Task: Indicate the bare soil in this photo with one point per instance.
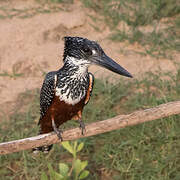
(33, 45)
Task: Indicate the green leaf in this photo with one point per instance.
(44, 176)
(58, 176)
(83, 165)
(77, 167)
(80, 146)
(75, 145)
(74, 149)
(67, 146)
(63, 169)
(84, 174)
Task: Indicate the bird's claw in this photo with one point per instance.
(57, 131)
(59, 134)
(82, 127)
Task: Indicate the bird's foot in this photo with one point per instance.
(57, 131)
(82, 127)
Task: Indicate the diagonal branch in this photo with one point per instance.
(99, 127)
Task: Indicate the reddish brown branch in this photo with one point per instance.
(100, 127)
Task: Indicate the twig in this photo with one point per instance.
(100, 127)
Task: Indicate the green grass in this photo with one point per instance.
(11, 75)
(145, 151)
(44, 7)
(134, 12)
(158, 41)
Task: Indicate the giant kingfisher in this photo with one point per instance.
(65, 92)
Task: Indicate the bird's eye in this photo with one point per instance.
(87, 51)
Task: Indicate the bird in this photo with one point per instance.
(65, 92)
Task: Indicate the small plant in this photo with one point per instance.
(11, 75)
(77, 170)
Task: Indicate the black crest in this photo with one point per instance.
(78, 47)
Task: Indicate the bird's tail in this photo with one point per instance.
(44, 149)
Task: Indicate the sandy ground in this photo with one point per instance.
(33, 46)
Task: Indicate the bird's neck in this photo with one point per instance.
(73, 68)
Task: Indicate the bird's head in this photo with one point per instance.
(83, 52)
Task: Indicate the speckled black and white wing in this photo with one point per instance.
(47, 93)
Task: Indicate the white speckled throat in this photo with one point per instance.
(73, 87)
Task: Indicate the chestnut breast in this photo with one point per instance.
(61, 112)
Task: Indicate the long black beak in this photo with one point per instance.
(108, 63)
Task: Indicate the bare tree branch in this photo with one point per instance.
(99, 127)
